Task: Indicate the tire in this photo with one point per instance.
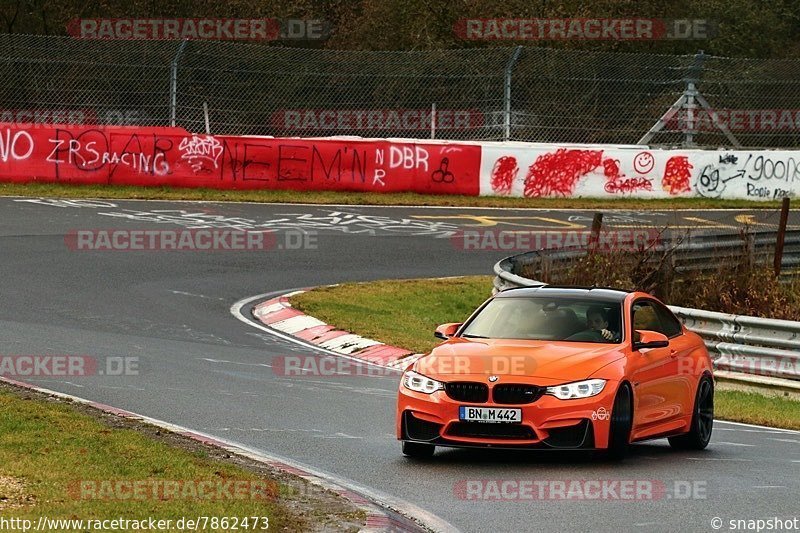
(699, 434)
(418, 450)
(621, 424)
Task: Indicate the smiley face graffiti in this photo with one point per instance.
(643, 162)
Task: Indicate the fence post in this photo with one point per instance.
(173, 84)
(507, 93)
(691, 80)
(207, 119)
(781, 237)
(689, 100)
(433, 120)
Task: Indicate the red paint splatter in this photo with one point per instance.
(677, 175)
(556, 174)
(628, 185)
(504, 172)
(611, 169)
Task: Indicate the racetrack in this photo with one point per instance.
(202, 368)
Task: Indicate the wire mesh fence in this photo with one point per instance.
(514, 93)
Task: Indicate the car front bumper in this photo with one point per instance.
(547, 423)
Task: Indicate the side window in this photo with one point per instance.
(645, 317)
(671, 326)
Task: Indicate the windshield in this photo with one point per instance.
(542, 318)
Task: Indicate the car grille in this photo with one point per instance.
(516, 394)
(466, 391)
(491, 431)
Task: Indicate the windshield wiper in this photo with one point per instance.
(470, 336)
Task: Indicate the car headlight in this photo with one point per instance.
(579, 389)
(420, 383)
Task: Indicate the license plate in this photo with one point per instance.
(489, 414)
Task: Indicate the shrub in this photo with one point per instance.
(742, 284)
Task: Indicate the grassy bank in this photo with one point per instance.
(405, 313)
(67, 461)
(359, 198)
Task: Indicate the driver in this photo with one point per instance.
(596, 326)
(597, 320)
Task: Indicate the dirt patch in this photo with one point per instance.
(13, 494)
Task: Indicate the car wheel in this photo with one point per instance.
(418, 450)
(621, 424)
(702, 419)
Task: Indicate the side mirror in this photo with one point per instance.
(644, 338)
(445, 331)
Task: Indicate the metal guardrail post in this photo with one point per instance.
(173, 84)
(507, 93)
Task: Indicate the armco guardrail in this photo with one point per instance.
(690, 252)
(747, 344)
(703, 251)
(739, 344)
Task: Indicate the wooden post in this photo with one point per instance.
(597, 224)
(781, 236)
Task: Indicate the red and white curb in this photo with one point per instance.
(278, 314)
(380, 518)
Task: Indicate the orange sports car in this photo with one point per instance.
(560, 368)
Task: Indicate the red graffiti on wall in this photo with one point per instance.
(556, 174)
(611, 169)
(172, 157)
(677, 175)
(504, 173)
(628, 185)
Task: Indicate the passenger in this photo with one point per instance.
(562, 322)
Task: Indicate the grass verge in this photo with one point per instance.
(755, 408)
(69, 461)
(404, 313)
(360, 198)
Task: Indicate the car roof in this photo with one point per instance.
(604, 294)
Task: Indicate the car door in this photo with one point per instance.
(654, 375)
(680, 346)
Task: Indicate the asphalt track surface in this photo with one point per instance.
(202, 368)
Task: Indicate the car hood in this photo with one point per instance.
(550, 362)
